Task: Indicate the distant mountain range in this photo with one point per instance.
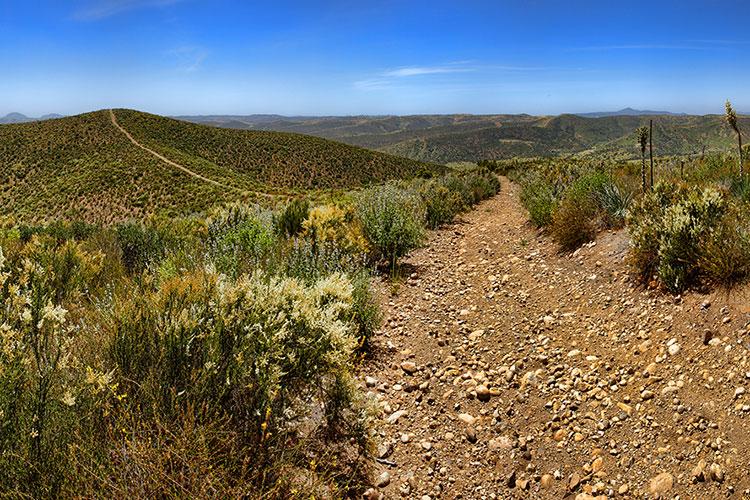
(629, 112)
(21, 118)
(448, 138)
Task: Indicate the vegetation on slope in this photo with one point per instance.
(280, 160)
(689, 229)
(198, 357)
(84, 168)
(447, 138)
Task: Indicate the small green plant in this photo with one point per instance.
(538, 196)
(289, 221)
(141, 245)
(392, 220)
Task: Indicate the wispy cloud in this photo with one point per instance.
(425, 70)
(189, 58)
(398, 77)
(100, 9)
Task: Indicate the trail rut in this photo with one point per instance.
(507, 370)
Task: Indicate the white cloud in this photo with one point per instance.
(425, 70)
(189, 58)
(100, 9)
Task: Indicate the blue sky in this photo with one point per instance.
(373, 57)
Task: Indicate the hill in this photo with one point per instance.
(628, 112)
(85, 167)
(21, 118)
(446, 138)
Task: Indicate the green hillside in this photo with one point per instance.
(84, 167)
(446, 138)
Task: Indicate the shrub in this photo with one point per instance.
(261, 352)
(667, 229)
(589, 203)
(725, 251)
(392, 220)
(289, 221)
(332, 225)
(441, 204)
(740, 187)
(40, 375)
(574, 221)
(141, 245)
(240, 239)
(538, 196)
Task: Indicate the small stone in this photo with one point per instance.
(661, 484)
(483, 394)
(699, 472)
(623, 489)
(471, 435)
(467, 419)
(383, 480)
(426, 445)
(626, 408)
(597, 464)
(371, 381)
(673, 349)
(547, 481)
(409, 367)
(523, 484)
(559, 435)
(511, 481)
(384, 450)
(395, 416)
(371, 494)
(575, 480)
(716, 472)
(739, 392)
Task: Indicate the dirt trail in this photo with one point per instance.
(507, 370)
(171, 163)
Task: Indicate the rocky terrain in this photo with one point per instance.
(507, 370)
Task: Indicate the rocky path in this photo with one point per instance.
(507, 370)
(177, 165)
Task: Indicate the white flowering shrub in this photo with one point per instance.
(668, 228)
(42, 382)
(263, 352)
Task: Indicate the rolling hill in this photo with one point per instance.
(446, 138)
(109, 166)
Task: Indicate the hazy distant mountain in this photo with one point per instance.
(14, 118)
(21, 118)
(629, 112)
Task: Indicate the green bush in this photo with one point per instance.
(591, 202)
(393, 221)
(141, 245)
(725, 251)
(667, 228)
(538, 197)
(240, 239)
(441, 204)
(289, 221)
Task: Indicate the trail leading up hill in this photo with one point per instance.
(506, 370)
(164, 159)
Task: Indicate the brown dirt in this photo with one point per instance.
(574, 356)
